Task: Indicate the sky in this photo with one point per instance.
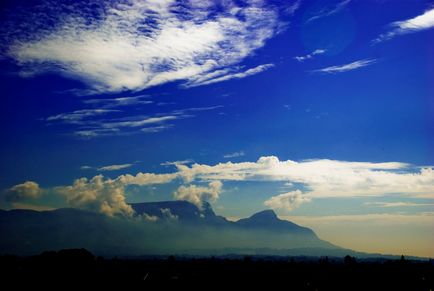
(320, 110)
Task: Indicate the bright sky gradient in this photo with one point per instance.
(320, 110)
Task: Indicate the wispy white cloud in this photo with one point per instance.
(310, 56)
(96, 132)
(140, 122)
(293, 7)
(234, 155)
(91, 125)
(79, 115)
(134, 124)
(329, 10)
(415, 24)
(155, 129)
(347, 67)
(116, 45)
(120, 101)
(222, 75)
(195, 109)
(398, 204)
(114, 167)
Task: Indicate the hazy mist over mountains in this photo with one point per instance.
(157, 228)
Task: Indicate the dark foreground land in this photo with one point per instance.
(297, 273)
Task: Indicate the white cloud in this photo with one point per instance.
(91, 126)
(114, 167)
(96, 132)
(97, 194)
(415, 24)
(293, 8)
(329, 10)
(149, 218)
(398, 204)
(174, 163)
(211, 80)
(346, 67)
(140, 122)
(77, 117)
(315, 178)
(323, 178)
(234, 155)
(168, 215)
(154, 129)
(138, 44)
(120, 101)
(106, 195)
(197, 195)
(26, 190)
(195, 109)
(287, 201)
(85, 167)
(142, 179)
(310, 56)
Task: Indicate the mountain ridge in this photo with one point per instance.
(177, 227)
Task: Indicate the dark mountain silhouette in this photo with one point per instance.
(268, 220)
(181, 228)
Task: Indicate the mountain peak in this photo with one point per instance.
(265, 215)
(207, 209)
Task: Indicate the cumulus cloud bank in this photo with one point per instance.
(197, 194)
(323, 178)
(106, 195)
(132, 45)
(314, 179)
(287, 201)
(97, 194)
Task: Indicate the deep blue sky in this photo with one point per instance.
(372, 102)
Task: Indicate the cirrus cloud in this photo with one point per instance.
(132, 45)
(418, 23)
(346, 67)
